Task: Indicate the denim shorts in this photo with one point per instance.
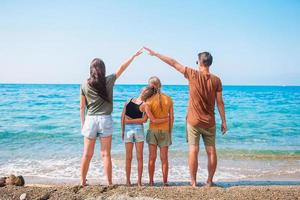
(97, 126)
(134, 133)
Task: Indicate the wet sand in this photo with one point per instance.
(60, 192)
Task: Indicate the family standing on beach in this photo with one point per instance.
(97, 99)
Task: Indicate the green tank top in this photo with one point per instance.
(95, 104)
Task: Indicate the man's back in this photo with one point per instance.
(203, 89)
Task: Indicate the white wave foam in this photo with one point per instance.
(69, 168)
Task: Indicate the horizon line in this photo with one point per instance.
(145, 84)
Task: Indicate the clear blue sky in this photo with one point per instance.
(255, 42)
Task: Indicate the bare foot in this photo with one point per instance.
(151, 183)
(128, 183)
(140, 184)
(194, 184)
(84, 183)
(210, 184)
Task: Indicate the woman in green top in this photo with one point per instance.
(97, 97)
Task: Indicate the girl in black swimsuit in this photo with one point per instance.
(135, 113)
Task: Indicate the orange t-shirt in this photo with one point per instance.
(157, 112)
(202, 96)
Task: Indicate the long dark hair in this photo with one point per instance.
(97, 78)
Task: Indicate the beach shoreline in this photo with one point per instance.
(39, 180)
(69, 191)
(229, 170)
(45, 146)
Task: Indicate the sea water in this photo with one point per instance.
(40, 134)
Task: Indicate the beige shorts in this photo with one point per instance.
(158, 137)
(208, 135)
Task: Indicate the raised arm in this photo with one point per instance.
(221, 109)
(124, 66)
(82, 109)
(170, 61)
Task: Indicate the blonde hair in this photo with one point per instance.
(147, 93)
(155, 82)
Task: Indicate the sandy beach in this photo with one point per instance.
(148, 193)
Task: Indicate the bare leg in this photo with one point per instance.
(88, 152)
(193, 163)
(151, 164)
(139, 156)
(129, 147)
(164, 163)
(211, 164)
(106, 157)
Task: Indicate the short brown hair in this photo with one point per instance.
(205, 58)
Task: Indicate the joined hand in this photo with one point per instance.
(139, 52)
(150, 52)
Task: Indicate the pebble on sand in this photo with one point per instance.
(23, 196)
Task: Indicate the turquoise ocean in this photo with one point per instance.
(40, 134)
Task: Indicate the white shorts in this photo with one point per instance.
(97, 126)
(134, 133)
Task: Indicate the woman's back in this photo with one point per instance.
(160, 105)
(95, 104)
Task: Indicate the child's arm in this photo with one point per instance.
(152, 118)
(123, 121)
(147, 114)
(136, 121)
(171, 120)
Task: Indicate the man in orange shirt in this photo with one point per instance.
(204, 90)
